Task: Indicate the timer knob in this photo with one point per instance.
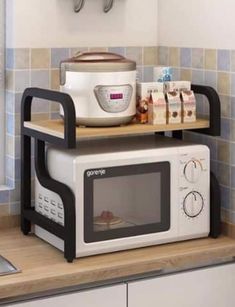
(193, 204)
(192, 171)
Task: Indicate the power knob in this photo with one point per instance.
(193, 204)
(192, 171)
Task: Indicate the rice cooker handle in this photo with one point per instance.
(96, 57)
(62, 73)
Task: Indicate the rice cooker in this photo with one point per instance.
(102, 86)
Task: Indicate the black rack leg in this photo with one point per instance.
(25, 182)
(215, 210)
(25, 226)
(67, 197)
(69, 251)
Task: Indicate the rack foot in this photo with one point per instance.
(25, 226)
(215, 198)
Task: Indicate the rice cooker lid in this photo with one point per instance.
(95, 62)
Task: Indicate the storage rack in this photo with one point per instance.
(64, 134)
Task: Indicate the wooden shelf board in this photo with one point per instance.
(56, 128)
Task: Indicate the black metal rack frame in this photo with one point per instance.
(68, 231)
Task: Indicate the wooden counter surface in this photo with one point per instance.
(44, 268)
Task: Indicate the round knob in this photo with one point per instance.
(192, 171)
(193, 204)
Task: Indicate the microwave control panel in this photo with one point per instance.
(114, 99)
(194, 188)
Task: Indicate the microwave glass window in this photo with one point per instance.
(127, 201)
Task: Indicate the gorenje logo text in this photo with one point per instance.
(96, 172)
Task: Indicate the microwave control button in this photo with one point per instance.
(60, 206)
(53, 212)
(53, 203)
(60, 215)
(193, 204)
(40, 205)
(192, 171)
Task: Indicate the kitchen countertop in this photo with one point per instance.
(44, 268)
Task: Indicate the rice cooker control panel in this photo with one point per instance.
(114, 99)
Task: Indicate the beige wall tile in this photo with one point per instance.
(17, 125)
(233, 130)
(198, 58)
(4, 210)
(9, 221)
(233, 200)
(224, 81)
(40, 58)
(225, 106)
(210, 59)
(54, 107)
(55, 79)
(135, 54)
(15, 194)
(10, 151)
(224, 174)
(22, 58)
(186, 74)
(225, 215)
(14, 209)
(150, 55)
(98, 49)
(174, 56)
(40, 116)
(10, 80)
(163, 56)
(223, 151)
(233, 60)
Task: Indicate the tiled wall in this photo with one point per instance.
(40, 68)
(215, 68)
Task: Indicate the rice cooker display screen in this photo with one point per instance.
(116, 96)
(114, 99)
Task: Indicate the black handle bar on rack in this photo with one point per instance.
(214, 109)
(69, 140)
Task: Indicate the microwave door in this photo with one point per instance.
(126, 201)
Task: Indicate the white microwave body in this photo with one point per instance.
(159, 192)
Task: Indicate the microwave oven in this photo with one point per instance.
(130, 192)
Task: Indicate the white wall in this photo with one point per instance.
(52, 23)
(197, 23)
(2, 125)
